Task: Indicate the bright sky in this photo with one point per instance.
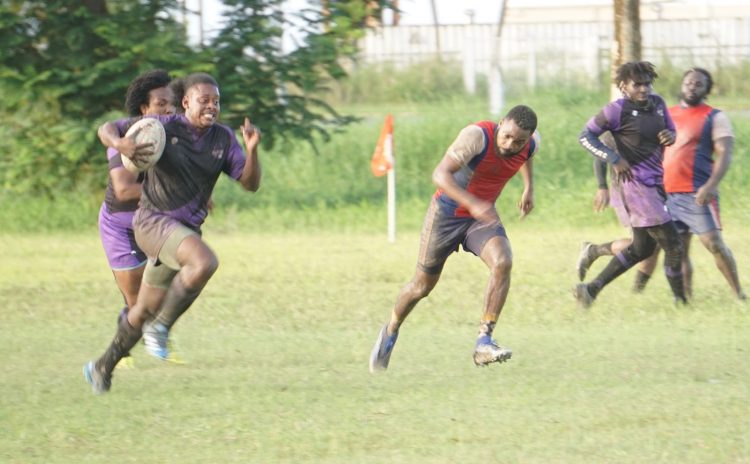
(449, 11)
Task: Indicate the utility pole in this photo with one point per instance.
(436, 25)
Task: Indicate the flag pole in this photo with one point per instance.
(383, 163)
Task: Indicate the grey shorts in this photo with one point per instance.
(442, 234)
(159, 236)
(693, 218)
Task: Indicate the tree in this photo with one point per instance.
(65, 65)
(627, 35)
(281, 89)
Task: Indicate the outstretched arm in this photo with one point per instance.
(251, 173)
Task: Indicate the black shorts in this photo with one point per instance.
(442, 234)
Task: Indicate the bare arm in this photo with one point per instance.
(109, 135)
(526, 204)
(125, 184)
(251, 174)
(722, 159)
(442, 177)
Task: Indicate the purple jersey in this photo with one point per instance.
(181, 183)
(634, 129)
(113, 205)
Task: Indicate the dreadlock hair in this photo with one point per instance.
(523, 116)
(632, 70)
(137, 93)
(705, 72)
(178, 92)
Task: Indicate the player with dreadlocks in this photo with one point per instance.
(641, 127)
(148, 93)
(693, 169)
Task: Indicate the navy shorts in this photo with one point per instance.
(693, 218)
(442, 234)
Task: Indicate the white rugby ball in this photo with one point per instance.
(146, 130)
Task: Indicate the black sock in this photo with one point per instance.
(677, 284)
(177, 300)
(602, 249)
(123, 314)
(616, 266)
(641, 279)
(125, 338)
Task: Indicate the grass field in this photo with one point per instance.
(278, 346)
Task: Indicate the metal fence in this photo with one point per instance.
(558, 50)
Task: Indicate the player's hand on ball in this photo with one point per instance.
(128, 146)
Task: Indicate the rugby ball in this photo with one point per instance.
(146, 130)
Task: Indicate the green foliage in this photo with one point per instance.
(281, 90)
(68, 67)
(65, 65)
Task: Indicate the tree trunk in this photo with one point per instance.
(627, 46)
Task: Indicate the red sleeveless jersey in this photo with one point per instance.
(485, 174)
(689, 161)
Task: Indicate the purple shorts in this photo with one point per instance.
(118, 239)
(693, 218)
(442, 234)
(639, 205)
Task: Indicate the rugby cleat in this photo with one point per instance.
(585, 259)
(157, 342)
(100, 382)
(582, 295)
(381, 352)
(487, 351)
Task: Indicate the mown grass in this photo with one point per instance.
(278, 343)
(278, 346)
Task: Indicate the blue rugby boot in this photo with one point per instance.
(381, 352)
(158, 344)
(100, 382)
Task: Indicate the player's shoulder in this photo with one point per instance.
(535, 142)
(473, 132)
(658, 99)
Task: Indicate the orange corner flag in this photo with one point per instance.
(382, 158)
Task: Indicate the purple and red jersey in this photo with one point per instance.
(486, 172)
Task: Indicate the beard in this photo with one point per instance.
(692, 100)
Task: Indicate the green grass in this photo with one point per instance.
(278, 346)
